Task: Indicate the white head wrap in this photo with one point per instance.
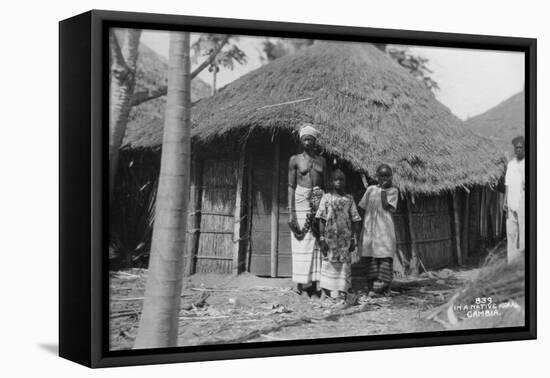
(307, 129)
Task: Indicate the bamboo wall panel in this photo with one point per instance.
(432, 226)
(215, 251)
(402, 229)
(475, 242)
(486, 220)
(194, 218)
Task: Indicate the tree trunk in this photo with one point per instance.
(159, 320)
(122, 83)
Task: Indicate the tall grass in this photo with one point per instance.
(132, 211)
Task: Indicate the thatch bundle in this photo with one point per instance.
(499, 286)
(500, 281)
(368, 108)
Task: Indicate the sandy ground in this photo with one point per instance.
(246, 308)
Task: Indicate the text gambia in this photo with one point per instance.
(484, 310)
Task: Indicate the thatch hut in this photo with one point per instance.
(369, 110)
(502, 123)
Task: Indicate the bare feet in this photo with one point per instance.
(385, 290)
(351, 299)
(299, 289)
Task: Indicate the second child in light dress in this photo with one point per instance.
(378, 240)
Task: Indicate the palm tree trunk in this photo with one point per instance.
(159, 320)
(123, 73)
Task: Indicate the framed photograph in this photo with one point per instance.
(235, 188)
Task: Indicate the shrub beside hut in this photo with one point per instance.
(369, 110)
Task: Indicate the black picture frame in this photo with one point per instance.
(83, 111)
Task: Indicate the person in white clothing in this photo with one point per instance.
(514, 200)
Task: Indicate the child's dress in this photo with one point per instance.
(339, 212)
(378, 237)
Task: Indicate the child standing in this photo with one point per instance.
(339, 224)
(379, 244)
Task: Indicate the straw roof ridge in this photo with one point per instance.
(146, 121)
(369, 111)
(502, 122)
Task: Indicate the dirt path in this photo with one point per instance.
(246, 308)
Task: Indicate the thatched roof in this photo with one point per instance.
(368, 108)
(152, 71)
(503, 122)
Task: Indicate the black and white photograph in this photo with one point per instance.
(275, 189)
(268, 189)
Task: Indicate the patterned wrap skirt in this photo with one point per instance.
(379, 268)
(335, 276)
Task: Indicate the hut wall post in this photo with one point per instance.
(483, 216)
(238, 221)
(248, 256)
(466, 226)
(275, 209)
(194, 216)
(457, 227)
(414, 251)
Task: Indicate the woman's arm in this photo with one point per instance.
(356, 228)
(355, 223)
(322, 224)
(507, 180)
(356, 232)
(291, 189)
(322, 243)
(505, 205)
